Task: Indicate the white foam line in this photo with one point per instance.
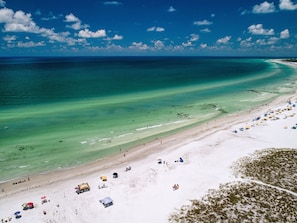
(141, 129)
(24, 166)
(160, 125)
(176, 122)
(149, 127)
(121, 136)
(104, 139)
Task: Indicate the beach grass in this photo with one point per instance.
(276, 167)
(267, 192)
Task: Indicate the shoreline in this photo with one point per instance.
(208, 151)
(41, 145)
(136, 153)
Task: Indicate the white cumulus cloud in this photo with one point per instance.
(139, 46)
(224, 40)
(151, 29)
(76, 22)
(30, 44)
(20, 21)
(264, 7)
(160, 29)
(115, 37)
(86, 33)
(203, 45)
(246, 43)
(203, 23)
(270, 41)
(17, 21)
(259, 30)
(2, 3)
(112, 3)
(187, 44)
(159, 45)
(194, 37)
(206, 30)
(157, 29)
(71, 18)
(285, 34)
(171, 9)
(9, 39)
(287, 5)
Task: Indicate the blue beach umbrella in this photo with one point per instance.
(17, 213)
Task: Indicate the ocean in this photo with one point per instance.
(61, 112)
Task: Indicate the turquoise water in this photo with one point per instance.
(62, 112)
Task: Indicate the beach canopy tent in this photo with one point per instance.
(115, 175)
(257, 118)
(43, 199)
(103, 178)
(28, 205)
(107, 201)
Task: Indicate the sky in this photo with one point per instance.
(148, 28)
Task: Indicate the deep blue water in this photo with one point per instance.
(27, 81)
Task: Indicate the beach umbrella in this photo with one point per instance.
(43, 199)
(103, 178)
(17, 214)
(30, 205)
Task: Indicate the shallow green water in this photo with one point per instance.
(62, 112)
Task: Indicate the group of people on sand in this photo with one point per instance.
(286, 111)
(6, 220)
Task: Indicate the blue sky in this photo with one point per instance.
(151, 27)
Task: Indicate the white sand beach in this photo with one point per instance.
(145, 193)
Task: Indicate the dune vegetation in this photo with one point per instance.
(265, 192)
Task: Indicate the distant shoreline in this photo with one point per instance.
(289, 62)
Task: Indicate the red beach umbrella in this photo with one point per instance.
(30, 205)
